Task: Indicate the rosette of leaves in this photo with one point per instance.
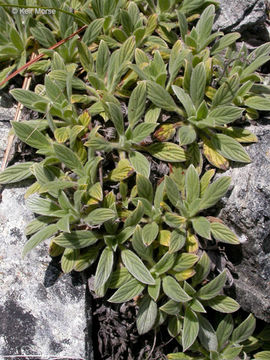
(198, 195)
(226, 342)
(130, 137)
(210, 100)
(20, 38)
(67, 197)
(163, 259)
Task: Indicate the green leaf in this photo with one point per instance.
(227, 91)
(99, 216)
(85, 56)
(177, 58)
(197, 84)
(184, 261)
(116, 117)
(86, 259)
(179, 356)
(205, 181)
(125, 234)
(258, 62)
(187, 135)
(159, 194)
(119, 277)
(63, 224)
(149, 233)
(164, 5)
(127, 291)
(205, 23)
(93, 31)
(31, 136)
(136, 267)
(160, 97)
(53, 91)
(29, 99)
(231, 352)
(16, 39)
(183, 24)
(262, 355)
(230, 148)
(210, 152)
(37, 224)
(96, 192)
(177, 241)
(138, 245)
(147, 315)
(43, 35)
(144, 188)
(77, 239)
(164, 264)
(224, 115)
(258, 103)
(185, 100)
(223, 233)
(42, 206)
(174, 220)
(224, 42)
(215, 192)
(15, 173)
(40, 236)
(122, 171)
(240, 134)
(142, 131)
(136, 105)
(202, 269)
(207, 334)
(213, 288)
(167, 152)
(126, 52)
(171, 307)
(196, 306)
(140, 163)
(202, 227)
(152, 114)
(68, 260)
(104, 267)
(69, 158)
(224, 330)
(244, 330)
(190, 329)
(102, 60)
(192, 184)
(136, 215)
(173, 290)
(224, 304)
(154, 290)
(172, 191)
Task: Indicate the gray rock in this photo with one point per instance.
(247, 212)
(6, 115)
(240, 15)
(39, 315)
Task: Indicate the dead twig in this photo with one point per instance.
(26, 85)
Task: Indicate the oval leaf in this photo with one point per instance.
(136, 267)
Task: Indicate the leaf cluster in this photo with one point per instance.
(147, 83)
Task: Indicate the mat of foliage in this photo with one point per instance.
(139, 104)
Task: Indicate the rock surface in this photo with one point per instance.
(240, 15)
(7, 113)
(39, 315)
(247, 211)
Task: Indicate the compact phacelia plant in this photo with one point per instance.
(147, 83)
